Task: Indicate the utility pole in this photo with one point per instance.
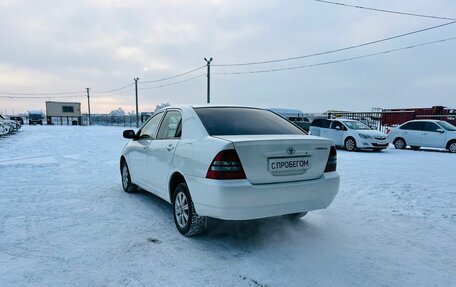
(136, 92)
(208, 79)
(88, 102)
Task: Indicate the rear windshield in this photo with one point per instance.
(244, 121)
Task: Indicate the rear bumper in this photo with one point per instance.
(240, 200)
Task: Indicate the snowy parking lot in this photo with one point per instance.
(65, 221)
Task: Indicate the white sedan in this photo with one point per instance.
(350, 134)
(233, 163)
(427, 133)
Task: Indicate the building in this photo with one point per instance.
(63, 113)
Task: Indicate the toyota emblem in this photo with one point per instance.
(291, 150)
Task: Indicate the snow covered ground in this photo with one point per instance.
(65, 221)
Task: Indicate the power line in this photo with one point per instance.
(336, 50)
(386, 11)
(115, 93)
(173, 83)
(40, 94)
(41, 97)
(337, 61)
(114, 90)
(172, 77)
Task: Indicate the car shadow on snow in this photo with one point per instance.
(257, 229)
(279, 230)
(428, 150)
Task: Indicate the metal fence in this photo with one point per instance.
(109, 120)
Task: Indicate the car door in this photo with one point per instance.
(433, 135)
(336, 133)
(161, 151)
(137, 156)
(412, 133)
(315, 127)
(325, 130)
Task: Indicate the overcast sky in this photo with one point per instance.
(59, 46)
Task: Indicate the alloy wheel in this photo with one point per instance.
(125, 176)
(350, 145)
(181, 209)
(452, 147)
(399, 144)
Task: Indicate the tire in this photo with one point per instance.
(414, 147)
(127, 184)
(295, 216)
(400, 143)
(187, 221)
(452, 147)
(350, 144)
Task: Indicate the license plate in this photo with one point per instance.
(289, 164)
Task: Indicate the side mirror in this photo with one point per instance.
(129, 134)
(440, 131)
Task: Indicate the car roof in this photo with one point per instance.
(424, 120)
(184, 107)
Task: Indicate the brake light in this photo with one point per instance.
(226, 165)
(332, 160)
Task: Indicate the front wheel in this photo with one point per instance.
(350, 144)
(452, 147)
(187, 221)
(127, 184)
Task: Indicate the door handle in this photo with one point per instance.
(144, 147)
(170, 147)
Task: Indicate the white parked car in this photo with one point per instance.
(424, 133)
(13, 125)
(4, 128)
(233, 163)
(350, 134)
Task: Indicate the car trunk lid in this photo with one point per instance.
(281, 158)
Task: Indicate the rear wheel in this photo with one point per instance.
(452, 147)
(187, 221)
(400, 143)
(295, 216)
(127, 185)
(414, 147)
(350, 144)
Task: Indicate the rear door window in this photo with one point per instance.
(244, 121)
(316, 123)
(413, 126)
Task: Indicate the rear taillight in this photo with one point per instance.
(226, 165)
(332, 160)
